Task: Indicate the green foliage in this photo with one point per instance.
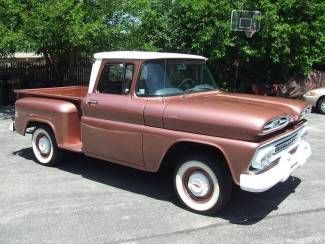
(290, 42)
(62, 27)
(10, 31)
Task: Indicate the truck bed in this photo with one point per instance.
(70, 93)
(42, 101)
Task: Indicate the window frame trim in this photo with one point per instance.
(115, 62)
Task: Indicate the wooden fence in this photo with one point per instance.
(21, 74)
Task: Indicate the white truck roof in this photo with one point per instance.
(144, 55)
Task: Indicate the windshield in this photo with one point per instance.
(169, 77)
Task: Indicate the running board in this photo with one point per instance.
(77, 147)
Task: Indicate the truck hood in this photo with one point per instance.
(228, 115)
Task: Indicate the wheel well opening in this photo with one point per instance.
(178, 150)
(32, 125)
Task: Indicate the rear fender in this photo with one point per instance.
(61, 116)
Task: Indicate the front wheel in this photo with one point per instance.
(321, 105)
(202, 184)
(44, 146)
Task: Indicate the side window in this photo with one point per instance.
(152, 78)
(141, 86)
(116, 79)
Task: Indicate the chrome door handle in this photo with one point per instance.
(91, 102)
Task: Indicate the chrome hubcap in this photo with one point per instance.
(44, 145)
(198, 184)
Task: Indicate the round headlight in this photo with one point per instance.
(263, 158)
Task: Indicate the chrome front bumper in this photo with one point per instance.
(278, 173)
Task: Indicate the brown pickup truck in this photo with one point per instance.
(150, 110)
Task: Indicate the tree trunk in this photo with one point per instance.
(72, 64)
(50, 61)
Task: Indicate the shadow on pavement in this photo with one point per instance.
(244, 208)
(7, 112)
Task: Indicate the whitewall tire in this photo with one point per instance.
(202, 184)
(44, 146)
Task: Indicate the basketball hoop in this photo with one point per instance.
(246, 21)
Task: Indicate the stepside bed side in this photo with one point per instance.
(61, 116)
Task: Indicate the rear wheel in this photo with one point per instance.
(202, 184)
(44, 146)
(321, 105)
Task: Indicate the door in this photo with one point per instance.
(112, 121)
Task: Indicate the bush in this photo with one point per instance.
(290, 42)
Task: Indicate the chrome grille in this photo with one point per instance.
(286, 142)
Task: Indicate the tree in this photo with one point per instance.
(12, 37)
(290, 42)
(63, 29)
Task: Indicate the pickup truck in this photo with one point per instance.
(150, 110)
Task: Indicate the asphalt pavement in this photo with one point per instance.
(84, 200)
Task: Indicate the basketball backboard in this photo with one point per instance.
(247, 21)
